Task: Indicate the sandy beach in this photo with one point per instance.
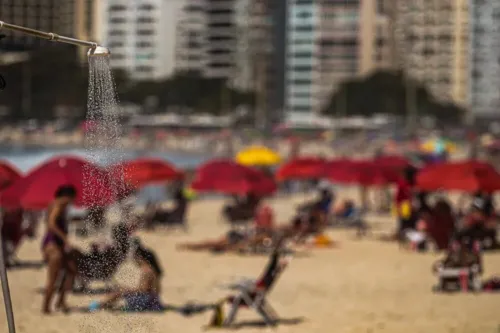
(361, 286)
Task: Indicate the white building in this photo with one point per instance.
(485, 57)
(301, 77)
(208, 37)
(141, 36)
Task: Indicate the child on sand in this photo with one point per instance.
(146, 297)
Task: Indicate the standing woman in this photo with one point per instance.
(56, 246)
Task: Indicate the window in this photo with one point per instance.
(302, 82)
(145, 20)
(115, 44)
(147, 7)
(118, 20)
(117, 8)
(143, 32)
(117, 33)
(304, 28)
(143, 44)
(144, 69)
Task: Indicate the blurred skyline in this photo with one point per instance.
(293, 54)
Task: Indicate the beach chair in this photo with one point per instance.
(461, 270)
(355, 219)
(252, 294)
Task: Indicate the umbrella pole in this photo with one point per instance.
(5, 285)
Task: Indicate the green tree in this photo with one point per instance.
(385, 92)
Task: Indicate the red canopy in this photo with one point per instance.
(467, 176)
(392, 161)
(228, 177)
(365, 173)
(36, 190)
(146, 171)
(8, 174)
(302, 168)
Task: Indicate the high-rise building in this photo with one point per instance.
(328, 43)
(208, 37)
(485, 57)
(56, 16)
(141, 35)
(433, 42)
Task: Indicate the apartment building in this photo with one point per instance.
(348, 45)
(141, 35)
(208, 37)
(47, 15)
(433, 41)
(484, 68)
(329, 42)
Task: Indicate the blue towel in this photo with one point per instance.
(142, 302)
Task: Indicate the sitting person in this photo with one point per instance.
(312, 217)
(442, 225)
(345, 209)
(146, 297)
(477, 226)
(241, 210)
(170, 217)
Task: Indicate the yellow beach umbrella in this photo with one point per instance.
(258, 156)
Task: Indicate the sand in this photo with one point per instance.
(362, 286)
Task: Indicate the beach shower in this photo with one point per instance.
(95, 50)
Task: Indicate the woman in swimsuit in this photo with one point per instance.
(146, 296)
(56, 246)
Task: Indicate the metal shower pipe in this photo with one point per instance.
(94, 48)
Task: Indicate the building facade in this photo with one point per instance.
(329, 42)
(141, 36)
(484, 90)
(208, 37)
(433, 39)
(56, 16)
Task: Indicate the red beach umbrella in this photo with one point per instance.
(36, 190)
(8, 174)
(467, 176)
(147, 171)
(302, 168)
(365, 173)
(228, 177)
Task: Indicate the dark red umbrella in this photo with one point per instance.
(392, 161)
(365, 173)
(146, 171)
(94, 186)
(228, 177)
(302, 168)
(467, 176)
(8, 174)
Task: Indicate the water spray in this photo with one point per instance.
(95, 50)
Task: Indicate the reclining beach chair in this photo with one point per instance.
(355, 219)
(461, 270)
(253, 294)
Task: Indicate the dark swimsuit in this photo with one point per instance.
(51, 237)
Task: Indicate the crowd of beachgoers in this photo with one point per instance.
(366, 235)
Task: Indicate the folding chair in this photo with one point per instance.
(252, 294)
(464, 278)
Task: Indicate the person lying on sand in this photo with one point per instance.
(146, 297)
(241, 241)
(233, 241)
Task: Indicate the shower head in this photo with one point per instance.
(98, 51)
